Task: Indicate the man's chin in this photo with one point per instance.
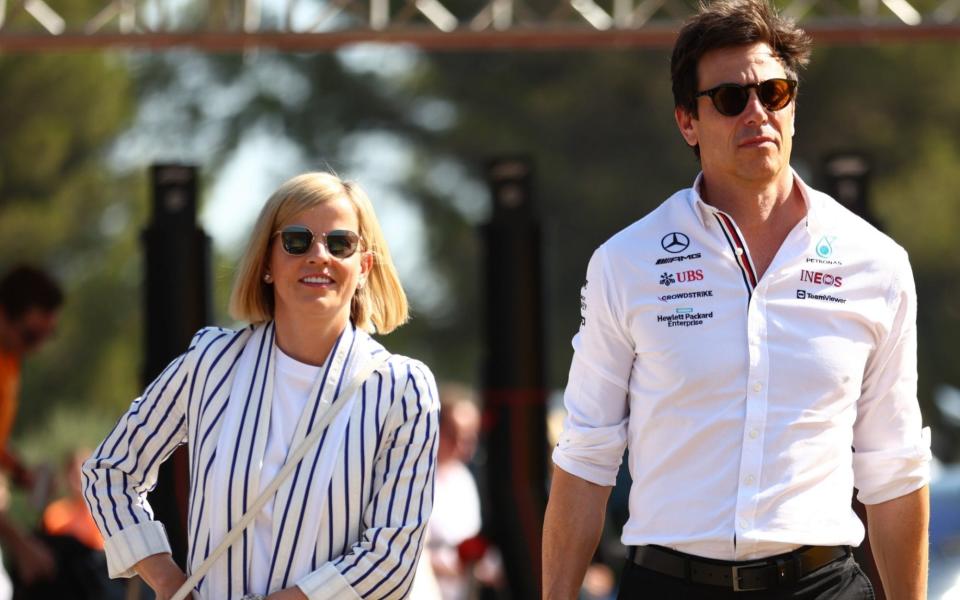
(762, 169)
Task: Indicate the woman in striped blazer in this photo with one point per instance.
(349, 521)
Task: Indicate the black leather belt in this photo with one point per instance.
(763, 574)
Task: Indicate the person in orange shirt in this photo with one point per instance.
(68, 530)
(30, 302)
(69, 516)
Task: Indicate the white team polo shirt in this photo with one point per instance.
(751, 406)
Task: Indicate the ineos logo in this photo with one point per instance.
(675, 242)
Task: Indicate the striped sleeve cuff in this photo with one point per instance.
(326, 583)
(132, 544)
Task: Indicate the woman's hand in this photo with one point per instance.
(292, 593)
(162, 575)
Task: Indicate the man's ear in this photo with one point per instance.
(686, 124)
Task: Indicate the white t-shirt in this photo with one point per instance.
(293, 382)
(455, 519)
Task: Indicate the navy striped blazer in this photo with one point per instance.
(377, 504)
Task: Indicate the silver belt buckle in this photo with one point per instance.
(735, 575)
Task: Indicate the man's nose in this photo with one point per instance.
(755, 111)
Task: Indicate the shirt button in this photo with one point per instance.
(754, 434)
(743, 523)
(748, 480)
(757, 386)
(739, 251)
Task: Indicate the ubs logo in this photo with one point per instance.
(675, 242)
(669, 279)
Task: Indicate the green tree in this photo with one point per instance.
(61, 207)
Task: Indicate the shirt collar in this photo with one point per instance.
(704, 211)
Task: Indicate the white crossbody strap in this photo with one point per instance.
(234, 534)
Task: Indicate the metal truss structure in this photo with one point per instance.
(309, 25)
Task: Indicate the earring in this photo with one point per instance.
(267, 278)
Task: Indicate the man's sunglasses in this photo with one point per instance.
(731, 98)
(297, 240)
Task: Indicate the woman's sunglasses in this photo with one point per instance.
(297, 240)
(731, 98)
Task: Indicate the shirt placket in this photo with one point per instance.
(756, 393)
(754, 424)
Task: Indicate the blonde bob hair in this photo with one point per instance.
(379, 306)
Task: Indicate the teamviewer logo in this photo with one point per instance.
(801, 294)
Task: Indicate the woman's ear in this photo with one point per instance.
(366, 265)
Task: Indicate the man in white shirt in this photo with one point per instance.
(753, 343)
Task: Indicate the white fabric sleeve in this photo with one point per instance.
(383, 562)
(891, 447)
(123, 469)
(132, 544)
(326, 583)
(595, 430)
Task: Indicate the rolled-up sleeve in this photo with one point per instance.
(891, 447)
(383, 562)
(595, 430)
(123, 469)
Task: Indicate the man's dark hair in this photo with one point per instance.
(25, 287)
(728, 23)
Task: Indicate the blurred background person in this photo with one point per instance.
(30, 302)
(457, 557)
(69, 516)
(67, 529)
(456, 513)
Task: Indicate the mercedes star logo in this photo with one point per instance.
(675, 242)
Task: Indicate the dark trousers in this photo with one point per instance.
(840, 580)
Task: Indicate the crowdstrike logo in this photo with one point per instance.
(685, 295)
(675, 242)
